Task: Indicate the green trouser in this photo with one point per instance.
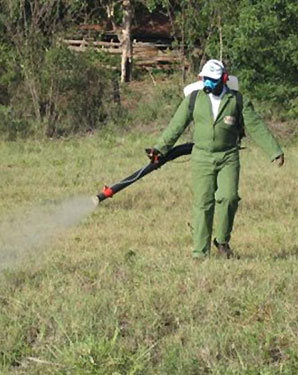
(215, 183)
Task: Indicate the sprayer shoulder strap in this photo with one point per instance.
(239, 101)
(192, 102)
(194, 94)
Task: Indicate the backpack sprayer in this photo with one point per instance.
(174, 153)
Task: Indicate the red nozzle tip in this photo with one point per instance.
(107, 192)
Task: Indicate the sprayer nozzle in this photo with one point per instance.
(95, 200)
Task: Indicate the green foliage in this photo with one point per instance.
(74, 94)
(257, 40)
(10, 125)
(8, 72)
(47, 90)
(146, 105)
(260, 47)
(77, 92)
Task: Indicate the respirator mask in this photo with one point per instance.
(211, 85)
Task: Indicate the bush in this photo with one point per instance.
(76, 92)
(10, 126)
(68, 93)
(152, 104)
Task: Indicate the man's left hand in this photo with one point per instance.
(280, 160)
(153, 155)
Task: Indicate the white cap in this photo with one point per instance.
(212, 69)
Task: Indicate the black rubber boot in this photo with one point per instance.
(224, 249)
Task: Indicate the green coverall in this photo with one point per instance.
(215, 159)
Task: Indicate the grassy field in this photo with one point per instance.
(114, 290)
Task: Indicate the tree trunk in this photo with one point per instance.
(182, 49)
(126, 42)
(220, 38)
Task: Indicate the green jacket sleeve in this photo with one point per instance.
(175, 128)
(259, 131)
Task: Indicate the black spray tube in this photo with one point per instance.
(174, 153)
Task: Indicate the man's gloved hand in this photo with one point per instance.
(280, 160)
(153, 154)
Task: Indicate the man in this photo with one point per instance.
(219, 114)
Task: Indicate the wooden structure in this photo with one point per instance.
(145, 54)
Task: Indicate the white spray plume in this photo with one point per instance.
(20, 236)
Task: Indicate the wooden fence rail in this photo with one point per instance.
(145, 54)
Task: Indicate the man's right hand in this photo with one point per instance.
(153, 155)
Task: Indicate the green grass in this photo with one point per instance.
(119, 294)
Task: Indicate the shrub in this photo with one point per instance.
(71, 93)
(76, 92)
